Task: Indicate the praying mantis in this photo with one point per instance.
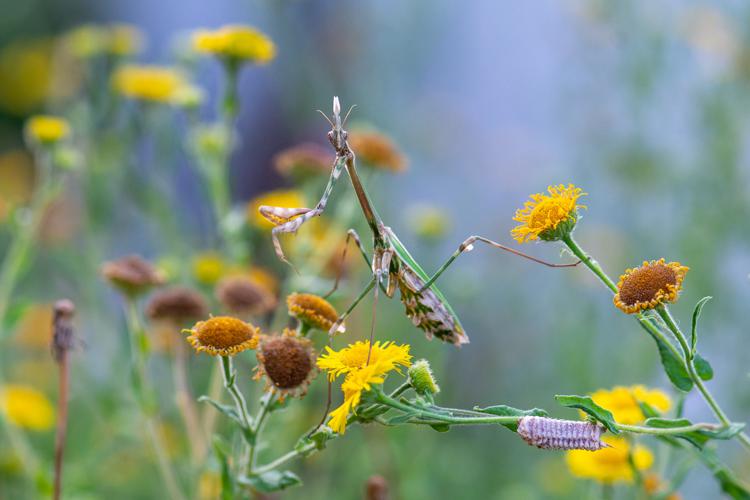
(391, 263)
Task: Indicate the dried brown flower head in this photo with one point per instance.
(312, 310)
(377, 150)
(177, 304)
(132, 275)
(376, 488)
(62, 328)
(649, 285)
(243, 295)
(223, 336)
(288, 363)
(303, 161)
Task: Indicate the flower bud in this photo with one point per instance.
(421, 378)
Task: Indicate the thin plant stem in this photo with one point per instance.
(62, 421)
(231, 387)
(265, 403)
(707, 396)
(142, 391)
(185, 403)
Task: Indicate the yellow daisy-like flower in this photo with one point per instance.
(314, 311)
(548, 217)
(354, 385)
(208, 267)
(124, 40)
(354, 357)
(236, 43)
(609, 465)
(26, 407)
(223, 336)
(623, 402)
(28, 73)
(649, 286)
(286, 198)
(47, 129)
(148, 83)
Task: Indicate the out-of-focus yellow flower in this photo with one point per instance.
(208, 267)
(148, 83)
(649, 286)
(286, 198)
(16, 177)
(27, 72)
(623, 402)
(609, 465)
(428, 221)
(188, 96)
(26, 407)
(125, 40)
(548, 217)
(236, 43)
(90, 40)
(47, 129)
(34, 327)
(209, 486)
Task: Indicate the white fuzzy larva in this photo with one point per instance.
(553, 434)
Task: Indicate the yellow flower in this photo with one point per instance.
(26, 407)
(609, 465)
(223, 336)
(548, 217)
(148, 83)
(27, 71)
(354, 357)
(208, 267)
(312, 310)
(623, 402)
(360, 375)
(649, 286)
(286, 198)
(47, 129)
(237, 43)
(124, 40)
(86, 41)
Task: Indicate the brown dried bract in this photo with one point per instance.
(288, 362)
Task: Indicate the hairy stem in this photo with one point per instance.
(231, 387)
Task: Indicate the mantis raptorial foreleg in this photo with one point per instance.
(468, 245)
(289, 220)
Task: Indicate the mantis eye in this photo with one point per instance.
(330, 135)
(344, 134)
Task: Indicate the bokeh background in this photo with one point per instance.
(643, 104)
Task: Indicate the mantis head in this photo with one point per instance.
(337, 136)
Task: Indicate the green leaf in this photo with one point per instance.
(509, 411)
(400, 419)
(729, 483)
(697, 438)
(696, 315)
(13, 315)
(585, 403)
(441, 427)
(227, 410)
(673, 365)
(271, 481)
(703, 367)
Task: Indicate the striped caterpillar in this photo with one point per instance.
(554, 434)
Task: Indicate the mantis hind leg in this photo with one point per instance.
(468, 245)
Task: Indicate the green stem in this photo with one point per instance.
(284, 459)
(697, 380)
(231, 387)
(589, 262)
(136, 336)
(258, 421)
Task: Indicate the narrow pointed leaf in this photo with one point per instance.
(509, 411)
(596, 412)
(271, 481)
(696, 315)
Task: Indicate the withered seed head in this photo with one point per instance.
(132, 275)
(244, 296)
(312, 310)
(223, 336)
(304, 160)
(287, 361)
(62, 328)
(177, 304)
(649, 285)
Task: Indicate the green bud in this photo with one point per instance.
(421, 378)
